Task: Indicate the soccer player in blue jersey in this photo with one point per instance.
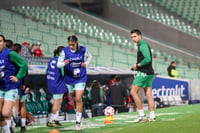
(9, 77)
(75, 59)
(56, 86)
(23, 89)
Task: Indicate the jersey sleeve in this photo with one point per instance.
(61, 60)
(20, 62)
(88, 57)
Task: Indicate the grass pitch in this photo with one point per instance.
(179, 119)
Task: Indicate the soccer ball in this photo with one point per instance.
(54, 131)
(109, 111)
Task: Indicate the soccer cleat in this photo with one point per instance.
(151, 119)
(49, 124)
(56, 122)
(79, 126)
(140, 119)
(23, 129)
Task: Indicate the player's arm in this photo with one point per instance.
(20, 62)
(61, 60)
(147, 56)
(88, 58)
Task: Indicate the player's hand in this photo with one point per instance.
(23, 87)
(27, 91)
(13, 79)
(83, 64)
(66, 61)
(134, 67)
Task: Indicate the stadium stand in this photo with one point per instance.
(187, 9)
(148, 10)
(42, 27)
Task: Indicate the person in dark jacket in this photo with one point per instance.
(172, 72)
(96, 97)
(118, 94)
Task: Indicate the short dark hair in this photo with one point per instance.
(17, 47)
(138, 32)
(72, 38)
(9, 43)
(117, 79)
(172, 62)
(57, 51)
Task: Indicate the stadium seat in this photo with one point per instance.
(152, 12)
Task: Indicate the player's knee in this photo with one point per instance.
(133, 92)
(79, 100)
(6, 114)
(149, 95)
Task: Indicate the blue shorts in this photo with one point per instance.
(57, 96)
(78, 86)
(9, 94)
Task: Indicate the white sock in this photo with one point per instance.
(6, 129)
(8, 123)
(141, 112)
(152, 114)
(78, 116)
(23, 122)
(51, 117)
(56, 115)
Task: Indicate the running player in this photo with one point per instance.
(9, 76)
(56, 86)
(75, 59)
(144, 77)
(23, 89)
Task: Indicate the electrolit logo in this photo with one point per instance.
(163, 91)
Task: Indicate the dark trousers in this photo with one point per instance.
(97, 110)
(119, 108)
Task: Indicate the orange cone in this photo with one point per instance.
(108, 122)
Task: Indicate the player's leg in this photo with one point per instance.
(148, 93)
(7, 113)
(139, 82)
(134, 92)
(53, 117)
(79, 89)
(16, 107)
(8, 104)
(79, 108)
(2, 120)
(23, 113)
